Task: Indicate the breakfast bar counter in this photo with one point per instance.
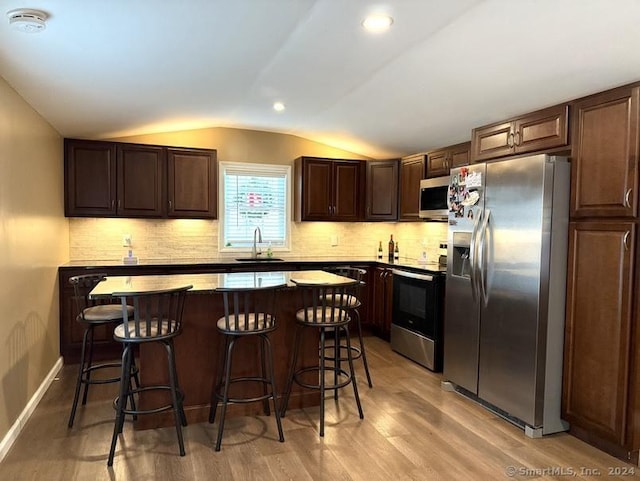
(197, 347)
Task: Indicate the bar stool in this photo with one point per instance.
(352, 304)
(92, 314)
(321, 313)
(247, 312)
(157, 318)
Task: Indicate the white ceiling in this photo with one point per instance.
(110, 68)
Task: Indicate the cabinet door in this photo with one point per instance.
(542, 130)
(605, 155)
(141, 181)
(411, 173)
(382, 190)
(90, 178)
(596, 359)
(378, 300)
(313, 189)
(347, 191)
(438, 163)
(192, 183)
(492, 141)
(460, 155)
(388, 305)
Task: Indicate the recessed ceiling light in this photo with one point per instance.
(27, 20)
(377, 23)
(278, 106)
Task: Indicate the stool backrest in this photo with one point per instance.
(321, 302)
(248, 310)
(156, 314)
(82, 286)
(354, 273)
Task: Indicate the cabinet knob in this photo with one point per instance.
(517, 138)
(510, 139)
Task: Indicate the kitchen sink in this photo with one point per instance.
(260, 259)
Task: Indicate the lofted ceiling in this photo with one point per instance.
(112, 68)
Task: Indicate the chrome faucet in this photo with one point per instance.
(257, 234)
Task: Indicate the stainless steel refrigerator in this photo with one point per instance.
(505, 288)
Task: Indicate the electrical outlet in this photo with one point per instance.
(126, 240)
(334, 240)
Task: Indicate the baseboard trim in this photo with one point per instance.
(26, 413)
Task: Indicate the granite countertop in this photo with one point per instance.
(227, 262)
(123, 285)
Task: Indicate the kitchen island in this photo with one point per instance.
(197, 347)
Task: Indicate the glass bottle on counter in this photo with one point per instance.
(391, 246)
(396, 252)
(380, 251)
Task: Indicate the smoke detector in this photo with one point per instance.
(27, 20)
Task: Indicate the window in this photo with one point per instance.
(254, 195)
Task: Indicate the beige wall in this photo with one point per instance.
(101, 239)
(33, 242)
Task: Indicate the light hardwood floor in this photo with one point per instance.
(413, 430)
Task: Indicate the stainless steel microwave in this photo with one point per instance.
(433, 198)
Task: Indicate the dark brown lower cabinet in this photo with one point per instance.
(599, 386)
(382, 301)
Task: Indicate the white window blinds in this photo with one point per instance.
(254, 195)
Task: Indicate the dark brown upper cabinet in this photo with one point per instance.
(412, 171)
(192, 183)
(115, 179)
(140, 172)
(90, 178)
(328, 189)
(439, 162)
(382, 190)
(604, 180)
(541, 130)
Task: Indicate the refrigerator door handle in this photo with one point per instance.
(482, 259)
(473, 258)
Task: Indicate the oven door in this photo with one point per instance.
(414, 302)
(416, 326)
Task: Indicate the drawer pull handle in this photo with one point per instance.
(625, 239)
(627, 198)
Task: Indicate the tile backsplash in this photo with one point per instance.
(101, 239)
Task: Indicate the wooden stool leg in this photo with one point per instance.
(124, 386)
(80, 376)
(363, 352)
(225, 395)
(272, 377)
(217, 383)
(322, 366)
(263, 373)
(336, 360)
(292, 370)
(353, 373)
(89, 364)
(178, 411)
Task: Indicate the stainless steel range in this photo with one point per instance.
(416, 327)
